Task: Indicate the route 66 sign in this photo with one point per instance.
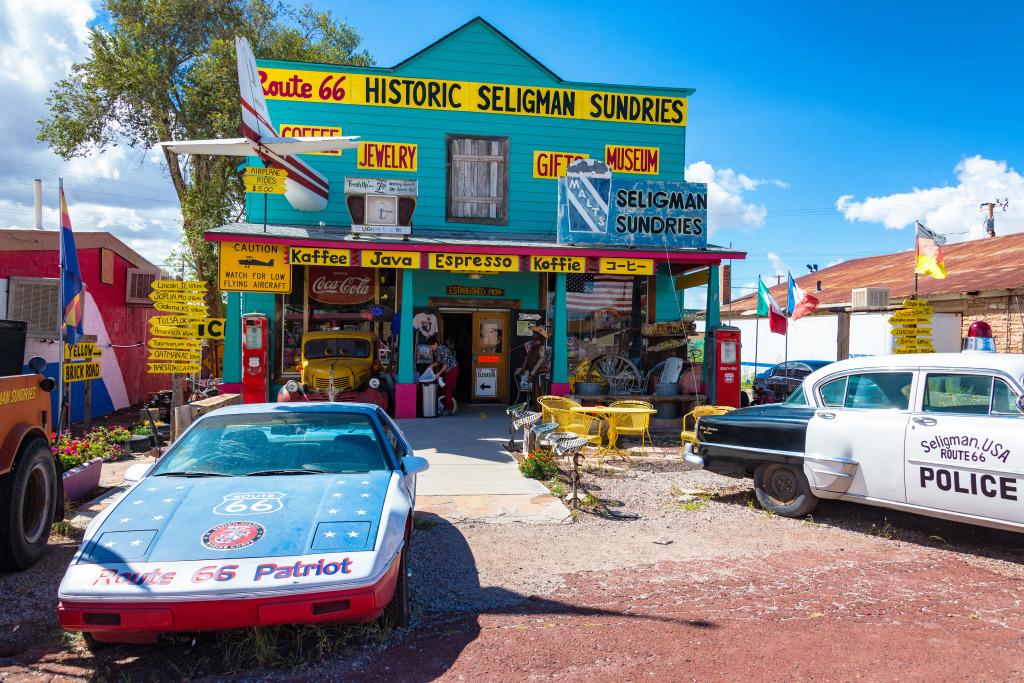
(250, 503)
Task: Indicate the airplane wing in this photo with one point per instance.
(283, 146)
(236, 147)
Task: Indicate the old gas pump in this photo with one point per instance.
(255, 358)
(722, 350)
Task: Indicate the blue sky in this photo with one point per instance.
(826, 129)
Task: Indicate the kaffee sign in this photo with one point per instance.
(335, 285)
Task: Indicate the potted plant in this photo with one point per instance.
(81, 467)
(141, 439)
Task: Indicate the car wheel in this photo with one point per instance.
(94, 645)
(397, 613)
(783, 489)
(27, 496)
(744, 399)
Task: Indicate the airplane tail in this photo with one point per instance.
(271, 262)
(256, 123)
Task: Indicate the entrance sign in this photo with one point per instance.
(254, 268)
(77, 372)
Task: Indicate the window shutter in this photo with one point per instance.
(106, 267)
(478, 179)
(139, 284)
(36, 300)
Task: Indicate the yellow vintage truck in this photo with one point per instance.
(341, 365)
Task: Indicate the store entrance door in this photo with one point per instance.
(490, 356)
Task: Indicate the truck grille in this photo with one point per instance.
(340, 383)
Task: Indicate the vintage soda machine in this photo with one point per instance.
(255, 358)
(722, 366)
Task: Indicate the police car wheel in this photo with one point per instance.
(27, 495)
(783, 489)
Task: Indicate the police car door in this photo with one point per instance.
(863, 418)
(965, 451)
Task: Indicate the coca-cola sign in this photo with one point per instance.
(333, 285)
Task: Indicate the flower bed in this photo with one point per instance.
(104, 444)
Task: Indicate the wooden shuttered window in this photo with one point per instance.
(36, 300)
(139, 285)
(477, 179)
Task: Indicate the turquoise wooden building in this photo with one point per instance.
(448, 218)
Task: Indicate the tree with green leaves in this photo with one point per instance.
(163, 70)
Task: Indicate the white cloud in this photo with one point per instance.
(953, 211)
(779, 266)
(726, 188)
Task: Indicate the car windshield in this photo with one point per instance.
(336, 347)
(276, 443)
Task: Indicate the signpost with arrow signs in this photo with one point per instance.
(912, 327)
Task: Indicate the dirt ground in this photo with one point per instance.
(699, 585)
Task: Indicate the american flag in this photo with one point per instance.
(587, 293)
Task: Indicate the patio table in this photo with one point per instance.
(611, 414)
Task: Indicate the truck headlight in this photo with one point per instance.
(374, 383)
(291, 386)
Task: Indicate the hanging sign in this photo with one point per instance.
(254, 268)
(161, 343)
(341, 285)
(81, 350)
(77, 372)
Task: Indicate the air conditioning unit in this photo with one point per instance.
(139, 284)
(871, 297)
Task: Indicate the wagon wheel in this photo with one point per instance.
(622, 376)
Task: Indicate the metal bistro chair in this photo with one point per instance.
(690, 435)
(579, 424)
(572, 448)
(552, 403)
(519, 418)
(637, 424)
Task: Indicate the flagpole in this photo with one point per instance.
(757, 329)
(60, 315)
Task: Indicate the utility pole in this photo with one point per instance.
(990, 222)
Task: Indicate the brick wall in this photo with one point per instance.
(1003, 315)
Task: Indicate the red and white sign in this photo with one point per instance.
(334, 285)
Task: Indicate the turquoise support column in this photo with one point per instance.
(560, 359)
(405, 390)
(232, 344)
(713, 318)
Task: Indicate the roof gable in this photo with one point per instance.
(476, 51)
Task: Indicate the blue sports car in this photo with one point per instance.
(258, 514)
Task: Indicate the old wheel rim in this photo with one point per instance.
(36, 508)
(781, 485)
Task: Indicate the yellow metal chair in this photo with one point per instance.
(690, 435)
(551, 403)
(577, 423)
(634, 424)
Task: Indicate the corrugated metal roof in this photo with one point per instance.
(984, 264)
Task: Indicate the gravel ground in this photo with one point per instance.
(673, 549)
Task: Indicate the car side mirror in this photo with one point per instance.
(137, 472)
(414, 464)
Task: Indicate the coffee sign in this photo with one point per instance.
(341, 285)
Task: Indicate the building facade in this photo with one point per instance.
(455, 215)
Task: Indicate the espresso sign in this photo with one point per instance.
(341, 285)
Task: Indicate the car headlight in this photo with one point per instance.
(374, 383)
(291, 386)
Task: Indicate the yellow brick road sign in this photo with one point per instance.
(82, 350)
(77, 372)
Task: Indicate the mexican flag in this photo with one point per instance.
(766, 306)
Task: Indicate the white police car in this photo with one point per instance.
(939, 434)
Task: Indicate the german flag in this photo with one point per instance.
(929, 252)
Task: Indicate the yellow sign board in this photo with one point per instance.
(295, 130)
(77, 372)
(317, 256)
(913, 349)
(266, 172)
(179, 308)
(254, 268)
(668, 109)
(627, 266)
(188, 297)
(628, 159)
(176, 319)
(179, 285)
(698, 279)
(914, 303)
(558, 264)
(177, 355)
(498, 263)
(551, 165)
(174, 332)
(387, 156)
(919, 320)
(389, 259)
(265, 189)
(186, 368)
(211, 328)
(914, 341)
(82, 350)
(911, 331)
(160, 343)
(264, 180)
(916, 312)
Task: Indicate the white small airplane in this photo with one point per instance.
(305, 188)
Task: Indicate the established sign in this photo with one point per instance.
(460, 290)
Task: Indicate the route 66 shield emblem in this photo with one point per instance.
(250, 503)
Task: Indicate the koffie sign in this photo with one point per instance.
(632, 212)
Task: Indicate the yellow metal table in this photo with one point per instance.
(611, 414)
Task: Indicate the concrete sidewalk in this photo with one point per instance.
(471, 475)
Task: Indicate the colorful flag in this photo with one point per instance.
(929, 252)
(586, 293)
(766, 306)
(71, 291)
(800, 302)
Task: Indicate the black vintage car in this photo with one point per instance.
(784, 378)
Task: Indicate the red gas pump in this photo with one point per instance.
(722, 349)
(255, 359)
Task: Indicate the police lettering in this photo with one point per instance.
(299, 569)
(971, 483)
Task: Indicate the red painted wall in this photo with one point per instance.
(127, 326)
